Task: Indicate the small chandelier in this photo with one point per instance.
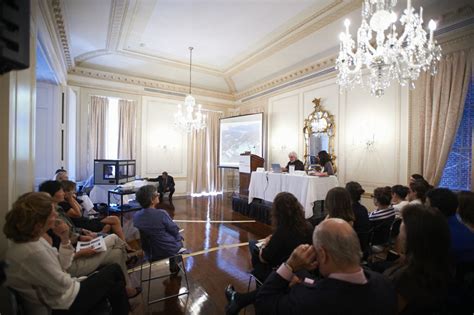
(187, 121)
(402, 57)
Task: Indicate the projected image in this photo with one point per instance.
(238, 135)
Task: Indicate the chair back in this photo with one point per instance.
(145, 242)
(395, 229)
(381, 231)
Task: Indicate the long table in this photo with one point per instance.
(307, 189)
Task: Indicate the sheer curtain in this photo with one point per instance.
(440, 99)
(98, 110)
(126, 129)
(203, 157)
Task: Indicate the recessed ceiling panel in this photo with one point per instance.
(221, 31)
(155, 71)
(88, 23)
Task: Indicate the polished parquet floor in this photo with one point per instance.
(216, 238)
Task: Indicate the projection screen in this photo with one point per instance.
(240, 134)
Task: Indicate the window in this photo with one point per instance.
(457, 173)
(111, 144)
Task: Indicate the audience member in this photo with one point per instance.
(60, 175)
(399, 194)
(36, 269)
(338, 205)
(417, 191)
(415, 177)
(161, 234)
(325, 161)
(70, 201)
(466, 208)
(299, 166)
(422, 275)
(382, 197)
(345, 288)
(462, 239)
(361, 222)
(290, 230)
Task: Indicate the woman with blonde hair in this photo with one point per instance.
(36, 269)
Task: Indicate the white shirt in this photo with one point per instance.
(36, 270)
(399, 206)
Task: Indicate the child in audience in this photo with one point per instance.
(422, 274)
(382, 197)
(35, 269)
(290, 230)
(399, 194)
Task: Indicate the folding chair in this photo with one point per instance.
(380, 235)
(178, 260)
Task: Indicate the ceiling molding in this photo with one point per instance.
(62, 30)
(49, 41)
(116, 20)
(288, 77)
(230, 84)
(91, 54)
(160, 85)
(321, 18)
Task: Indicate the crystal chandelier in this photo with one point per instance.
(187, 121)
(394, 56)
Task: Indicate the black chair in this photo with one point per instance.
(379, 237)
(176, 264)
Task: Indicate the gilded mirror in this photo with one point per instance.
(319, 131)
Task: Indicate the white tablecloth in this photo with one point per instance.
(307, 189)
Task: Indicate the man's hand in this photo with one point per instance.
(61, 229)
(84, 238)
(303, 257)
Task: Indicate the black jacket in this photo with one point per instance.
(327, 296)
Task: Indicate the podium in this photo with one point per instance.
(248, 163)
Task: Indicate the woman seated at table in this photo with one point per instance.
(325, 161)
(290, 230)
(35, 269)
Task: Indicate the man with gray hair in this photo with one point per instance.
(299, 166)
(345, 288)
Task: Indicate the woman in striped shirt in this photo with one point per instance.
(382, 198)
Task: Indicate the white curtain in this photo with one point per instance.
(98, 110)
(441, 101)
(203, 159)
(127, 130)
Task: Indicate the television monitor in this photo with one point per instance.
(114, 172)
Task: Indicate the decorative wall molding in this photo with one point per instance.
(116, 21)
(170, 87)
(62, 31)
(290, 78)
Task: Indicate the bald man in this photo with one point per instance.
(346, 288)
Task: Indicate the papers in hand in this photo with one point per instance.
(98, 244)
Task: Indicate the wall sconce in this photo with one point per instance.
(370, 143)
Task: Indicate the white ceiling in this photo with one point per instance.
(237, 43)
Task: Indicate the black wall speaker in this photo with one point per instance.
(14, 35)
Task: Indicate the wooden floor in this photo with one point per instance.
(219, 255)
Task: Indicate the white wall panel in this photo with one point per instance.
(283, 129)
(164, 148)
